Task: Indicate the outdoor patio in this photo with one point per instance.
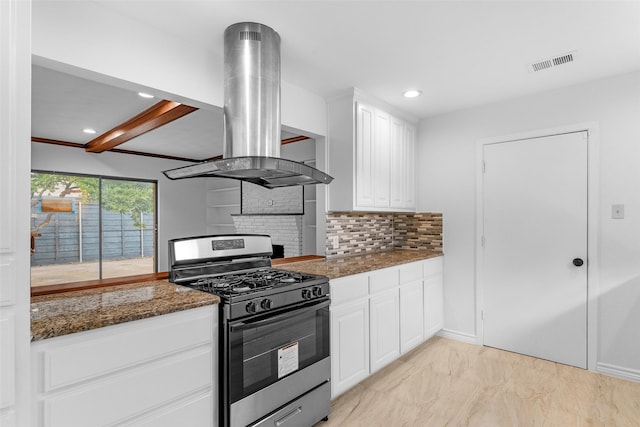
(74, 272)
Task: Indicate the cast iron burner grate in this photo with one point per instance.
(239, 284)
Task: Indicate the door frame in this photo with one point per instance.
(593, 160)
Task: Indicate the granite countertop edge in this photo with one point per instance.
(66, 313)
(335, 268)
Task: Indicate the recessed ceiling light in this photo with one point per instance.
(87, 130)
(412, 93)
(145, 95)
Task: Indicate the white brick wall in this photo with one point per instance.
(284, 230)
(259, 200)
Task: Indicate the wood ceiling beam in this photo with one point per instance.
(114, 150)
(152, 118)
(294, 139)
(57, 142)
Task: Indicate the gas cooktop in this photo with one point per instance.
(229, 285)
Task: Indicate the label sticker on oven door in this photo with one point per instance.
(287, 359)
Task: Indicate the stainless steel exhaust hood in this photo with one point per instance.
(252, 115)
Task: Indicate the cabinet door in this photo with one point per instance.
(409, 144)
(398, 166)
(349, 345)
(381, 153)
(385, 328)
(411, 315)
(433, 297)
(365, 165)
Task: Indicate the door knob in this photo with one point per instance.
(578, 262)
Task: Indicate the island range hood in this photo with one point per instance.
(252, 115)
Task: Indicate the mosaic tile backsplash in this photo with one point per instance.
(350, 233)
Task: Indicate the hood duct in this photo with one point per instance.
(252, 115)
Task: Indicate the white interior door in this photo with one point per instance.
(535, 229)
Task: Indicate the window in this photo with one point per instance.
(91, 227)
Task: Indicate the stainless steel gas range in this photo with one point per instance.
(274, 338)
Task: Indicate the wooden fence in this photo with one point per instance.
(75, 236)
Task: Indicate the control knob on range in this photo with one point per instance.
(307, 294)
(317, 291)
(251, 307)
(266, 304)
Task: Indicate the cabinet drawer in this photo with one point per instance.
(410, 272)
(123, 396)
(433, 266)
(70, 359)
(380, 280)
(349, 288)
(196, 411)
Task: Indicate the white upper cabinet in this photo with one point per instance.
(381, 152)
(365, 160)
(371, 156)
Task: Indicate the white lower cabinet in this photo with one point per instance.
(384, 318)
(379, 315)
(433, 297)
(411, 315)
(160, 371)
(349, 345)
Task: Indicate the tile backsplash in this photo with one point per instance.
(350, 233)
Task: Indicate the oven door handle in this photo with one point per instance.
(239, 326)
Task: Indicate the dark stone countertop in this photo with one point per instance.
(69, 312)
(335, 268)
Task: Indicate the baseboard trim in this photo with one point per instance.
(618, 372)
(458, 336)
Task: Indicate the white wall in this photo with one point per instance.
(95, 42)
(181, 203)
(446, 154)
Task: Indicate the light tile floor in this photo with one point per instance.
(449, 383)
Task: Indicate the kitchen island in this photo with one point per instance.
(148, 348)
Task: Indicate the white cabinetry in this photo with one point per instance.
(402, 167)
(379, 315)
(384, 317)
(371, 156)
(7, 362)
(349, 332)
(365, 159)
(411, 306)
(433, 297)
(147, 372)
(381, 151)
(15, 152)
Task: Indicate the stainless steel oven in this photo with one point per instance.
(274, 338)
(274, 358)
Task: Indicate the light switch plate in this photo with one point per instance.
(617, 211)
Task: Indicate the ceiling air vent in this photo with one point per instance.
(553, 62)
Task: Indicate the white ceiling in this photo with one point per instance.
(460, 54)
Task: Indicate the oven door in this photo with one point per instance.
(267, 348)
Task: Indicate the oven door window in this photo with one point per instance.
(267, 348)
